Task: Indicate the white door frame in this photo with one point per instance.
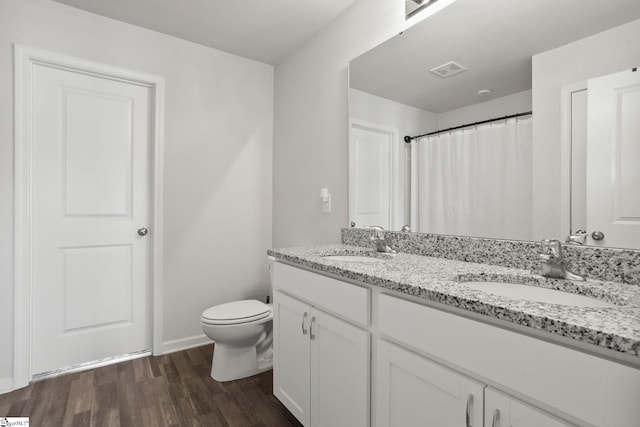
(565, 153)
(24, 60)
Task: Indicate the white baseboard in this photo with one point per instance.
(6, 385)
(185, 343)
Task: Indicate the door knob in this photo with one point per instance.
(142, 231)
(597, 235)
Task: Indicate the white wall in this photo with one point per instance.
(408, 120)
(311, 123)
(414, 121)
(218, 158)
(604, 53)
(499, 107)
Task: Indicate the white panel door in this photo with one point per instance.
(291, 379)
(613, 159)
(502, 410)
(90, 162)
(370, 159)
(339, 372)
(413, 391)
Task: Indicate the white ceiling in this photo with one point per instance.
(267, 31)
(494, 39)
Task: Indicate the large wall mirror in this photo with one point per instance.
(569, 159)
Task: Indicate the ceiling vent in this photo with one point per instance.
(413, 7)
(447, 70)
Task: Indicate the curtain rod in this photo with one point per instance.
(408, 138)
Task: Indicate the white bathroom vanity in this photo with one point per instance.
(404, 342)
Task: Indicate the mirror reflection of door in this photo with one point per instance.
(613, 159)
(370, 175)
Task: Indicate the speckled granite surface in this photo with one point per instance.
(442, 280)
(617, 265)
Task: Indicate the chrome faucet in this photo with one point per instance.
(553, 264)
(381, 242)
(577, 238)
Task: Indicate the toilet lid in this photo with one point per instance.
(236, 312)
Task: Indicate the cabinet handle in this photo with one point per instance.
(468, 414)
(313, 337)
(304, 317)
(496, 418)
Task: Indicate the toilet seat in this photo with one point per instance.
(236, 312)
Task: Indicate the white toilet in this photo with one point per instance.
(242, 331)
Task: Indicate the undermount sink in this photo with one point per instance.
(353, 258)
(535, 293)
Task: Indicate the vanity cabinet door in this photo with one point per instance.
(291, 381)
(502, 410)
(339, 372)
(414, 391)
(320, 365)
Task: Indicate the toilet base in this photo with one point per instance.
(235, 363)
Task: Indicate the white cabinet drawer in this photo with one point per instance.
(345, 299)
(592, 389)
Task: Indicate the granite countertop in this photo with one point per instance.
(442, 280)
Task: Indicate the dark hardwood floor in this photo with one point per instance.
(169, 390)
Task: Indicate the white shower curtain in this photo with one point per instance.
(474, 182)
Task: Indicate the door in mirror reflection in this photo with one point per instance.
(370, 174)
(613, 159)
